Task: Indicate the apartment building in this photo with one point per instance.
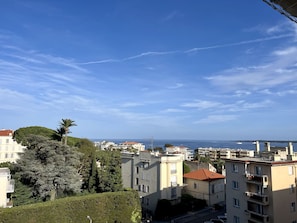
(6, 188)
(224, 153)
(185, 151)
(262, 189)
(9, 148)
(155, 177)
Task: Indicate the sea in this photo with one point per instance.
(195, 144)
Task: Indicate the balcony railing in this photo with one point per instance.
(257, 217)
(257, 179)
(257, 198)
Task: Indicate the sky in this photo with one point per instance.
(135, 69)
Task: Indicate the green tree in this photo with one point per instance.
(109, 171)
(21, 134)
(60, 132)
(50, 168)
(66, 124)
(88, 169)
(186, 168)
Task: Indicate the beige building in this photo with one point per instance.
(206, 185)
(9, 148)
(6, 188)
(154, 177)
(262, 189)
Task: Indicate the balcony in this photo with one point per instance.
(257, 179)
(256, 217)
(257, 198)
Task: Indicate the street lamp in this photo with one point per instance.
(88, 217)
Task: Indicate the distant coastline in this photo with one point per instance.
(191, 144)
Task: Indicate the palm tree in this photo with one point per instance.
(60, 132)
(66, 124)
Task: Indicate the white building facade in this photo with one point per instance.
(6, 188)
(154, 177)
(9, 148)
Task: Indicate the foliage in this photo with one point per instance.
(168, 145)
(158, 149)
(49, 167)
(88, 169)
(105, 207)
(64, 128)
(109, 171)
(21, 134)
(186, 168)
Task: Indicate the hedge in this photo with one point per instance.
(111, 207)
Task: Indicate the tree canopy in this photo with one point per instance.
(64, 129)
(49, 167)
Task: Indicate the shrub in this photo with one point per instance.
(120, 207)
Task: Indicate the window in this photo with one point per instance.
(137, 170)
(7, 141)
(258, 170)
(292, 188)
(147, 189)
(195, 186)
(234, 168)
(137, 181)
(235, 185)
(6, 155)
(236, 219)
(212, 188)
(173, 168)
(139, 187)
(173, 181)
(293, 207)
(236, 202)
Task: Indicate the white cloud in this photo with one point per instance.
(216, 119)
(201, 104)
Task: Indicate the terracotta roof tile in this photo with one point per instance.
(5, 132)
(203, 174)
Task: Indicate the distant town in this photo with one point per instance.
(249, 185)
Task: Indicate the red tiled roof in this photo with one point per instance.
(129, 143)
(5, 132)
(203, 174)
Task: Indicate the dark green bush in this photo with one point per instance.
(120, 207)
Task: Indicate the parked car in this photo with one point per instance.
(214, 221)
(222, 217)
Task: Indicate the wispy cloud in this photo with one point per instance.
(176, 86)
(211, 119)
(240, 43)
(201, 104)
(172, 15)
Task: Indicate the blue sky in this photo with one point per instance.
(165, 69)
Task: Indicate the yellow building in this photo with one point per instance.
(155, 177)
(206, 185)
(262, 189)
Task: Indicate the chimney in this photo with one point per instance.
(257, 147)
(267, 146)
(290, 146)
